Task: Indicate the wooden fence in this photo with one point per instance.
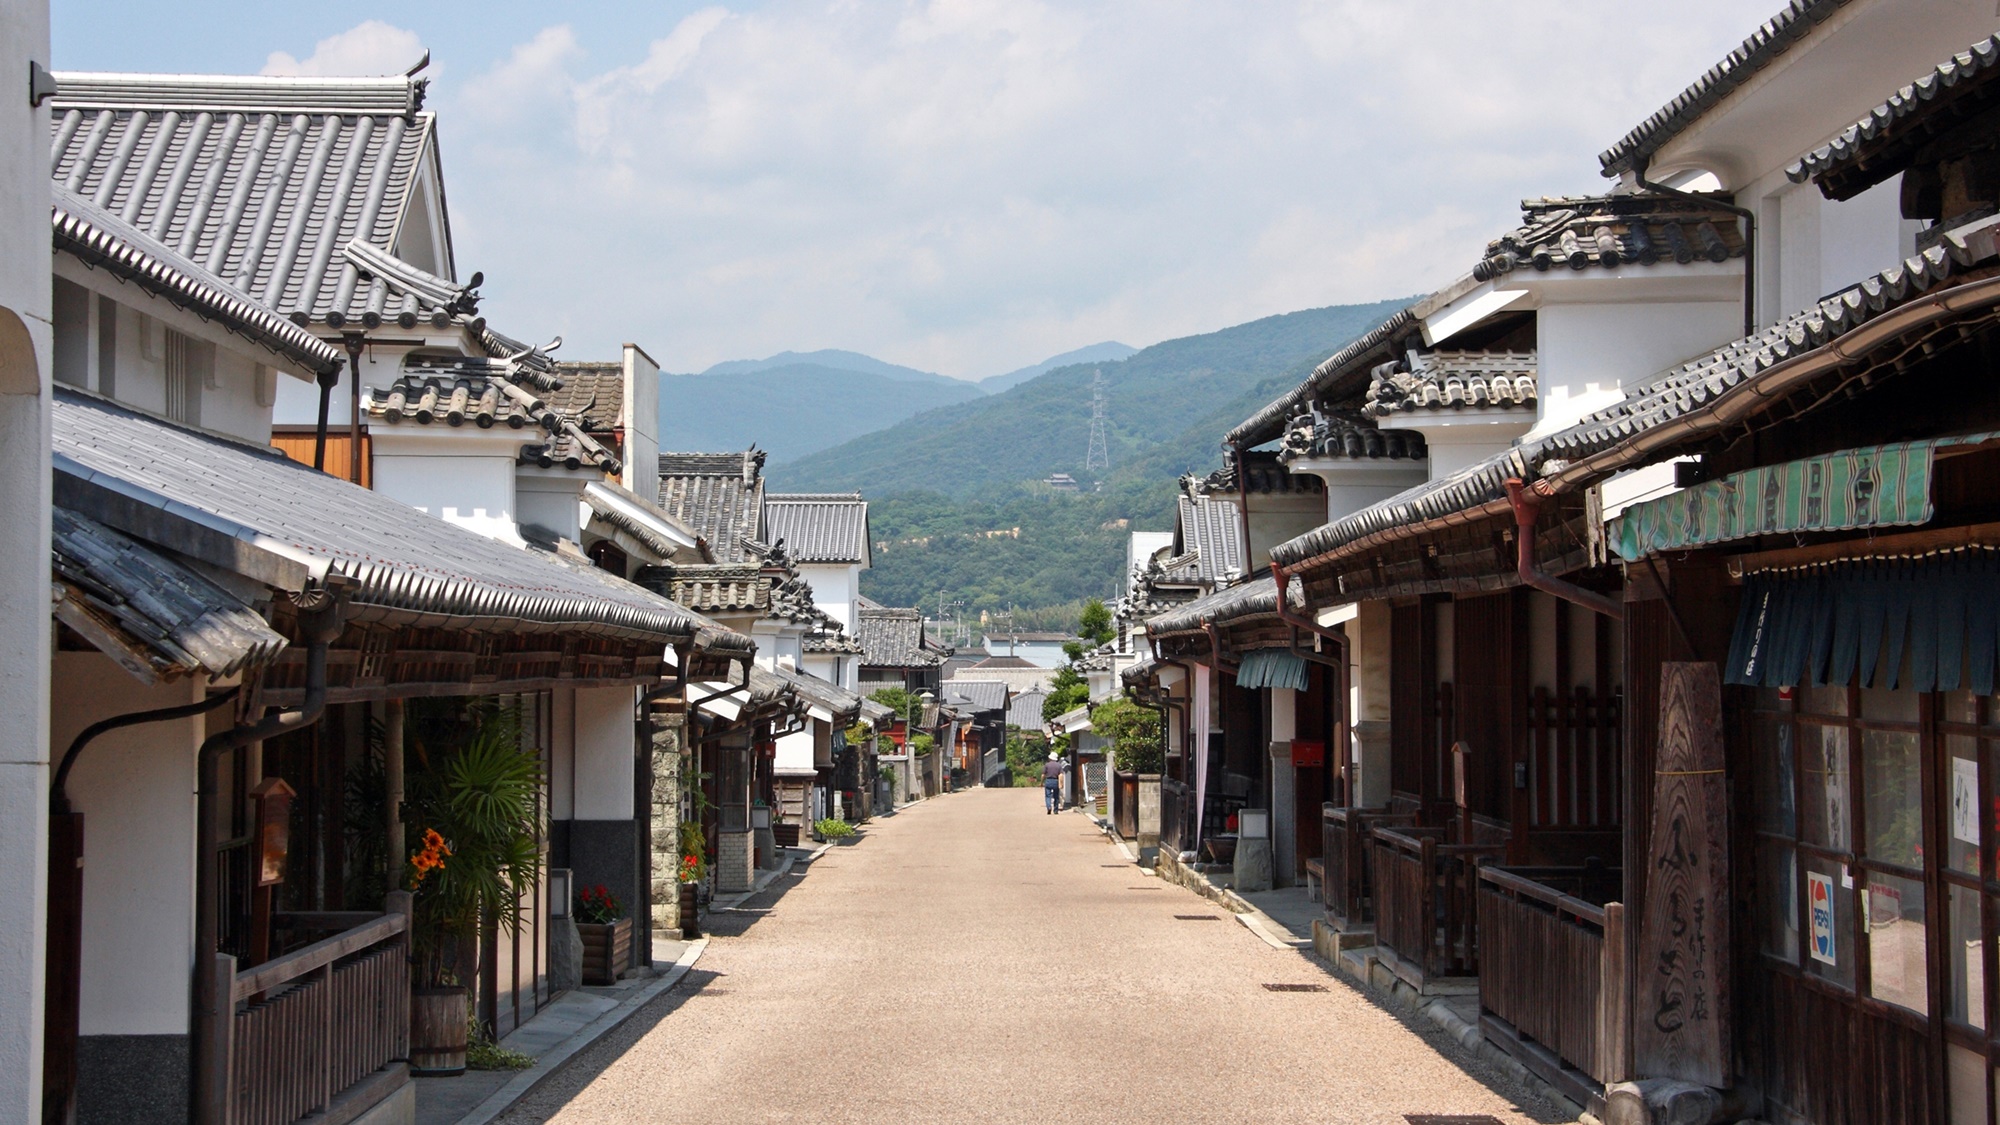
(314, 1024)
(1551, 979)
(1425, 898)
(1349, 892)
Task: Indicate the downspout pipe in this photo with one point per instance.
(328, 380)
(1527, 505)
(320, 621)
(1749, 239)
(59, 785)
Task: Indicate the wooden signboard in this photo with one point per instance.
(1680, 1010)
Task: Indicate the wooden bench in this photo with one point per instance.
(1315, 880)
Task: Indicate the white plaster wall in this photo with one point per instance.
(136, 790)
(552, 499)
(1590, 352)
(642, 423)
(1368, 659)
(1352, 486)
(604, 743)
(26, 356)
(795, 752)
(835, 588)
(469, 482)
(1275, 519)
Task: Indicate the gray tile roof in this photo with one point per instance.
(1025, 710)
(1882, 143)
(265, 182)
(818, 527)
(1348, 436)
(640, 518)
(719, 495)
(821, 693)
(403, 565)
(1686, 390)
(157, 617)
(1771, 39)
(1609, 232)
(1257, 597)
(1446, 381)
(1340, 376)
(456, 390)
(1211, 531)
(976, 695)
(894, 638)
(100, 239)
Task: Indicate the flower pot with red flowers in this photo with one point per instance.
(690, 896)
(606, 934)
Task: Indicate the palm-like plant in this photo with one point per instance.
(482, 794)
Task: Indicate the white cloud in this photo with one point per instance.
(368, 48)
(971, 185)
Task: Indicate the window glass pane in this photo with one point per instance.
(1890, 706)
(1822, 700)
(1823, 763)
(1958, 707)
(1961, 838)
(1829, 891)
(1778, 896)
(1896, 961)
(1965, 959)
(1893, 783)
(1776, 799)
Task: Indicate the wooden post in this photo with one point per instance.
(1613, 1011)
(215, 1092)
(1681, 1026)
(392, 774)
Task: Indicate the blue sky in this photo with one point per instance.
(966, 186)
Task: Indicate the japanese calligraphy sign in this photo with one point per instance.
(1681, 1010)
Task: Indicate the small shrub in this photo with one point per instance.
(482, 1053)
(833, 828)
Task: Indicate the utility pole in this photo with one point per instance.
(1099, 454)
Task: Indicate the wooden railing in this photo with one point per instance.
(1425, 898)
(315, 1024)
(1350, 892)
(1552, 956)
(1125, 804)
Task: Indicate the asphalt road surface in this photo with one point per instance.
(972, 959)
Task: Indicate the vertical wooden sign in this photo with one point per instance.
(1680, 1009)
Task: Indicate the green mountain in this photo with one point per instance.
(834, 358)
(1016, 543)
(1106, 352)
(1163, 400)
(795, 409)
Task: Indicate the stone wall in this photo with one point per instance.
(666, 826)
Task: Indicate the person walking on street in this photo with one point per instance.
(1052, 773)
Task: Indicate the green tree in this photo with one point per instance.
(1067, 691)
(1096, 621)
(1134, 734)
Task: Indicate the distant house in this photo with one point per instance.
(1061, 482)
(1017, 673)
(982, 704)
(896, 649)
(1042, 649)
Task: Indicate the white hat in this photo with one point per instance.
(1053, 755)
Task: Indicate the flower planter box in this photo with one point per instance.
(607, 949)
(690, 903)
(787, 835)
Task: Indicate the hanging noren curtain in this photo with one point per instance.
(1911, 624)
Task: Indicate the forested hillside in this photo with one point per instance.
(793, 409)
(1156, 398)
(1016, 542)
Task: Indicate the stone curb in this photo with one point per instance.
(526, 1082)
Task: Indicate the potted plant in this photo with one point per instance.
(690, 875)
(606, 932)
(473, 799)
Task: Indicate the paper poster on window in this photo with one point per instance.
(1819, 907)
(1965, 800)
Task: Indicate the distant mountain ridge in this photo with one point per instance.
(1110, 351)
(1164, 405)
(833, 359)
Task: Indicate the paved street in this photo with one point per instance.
(972, 959)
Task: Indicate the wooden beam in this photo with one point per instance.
(1912, 544)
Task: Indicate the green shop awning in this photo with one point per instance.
(1272, 668)
(1876, 486)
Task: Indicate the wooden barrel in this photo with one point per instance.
(437, 1031)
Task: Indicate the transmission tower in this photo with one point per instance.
(1099, 456)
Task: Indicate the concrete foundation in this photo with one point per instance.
(1253, 865)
